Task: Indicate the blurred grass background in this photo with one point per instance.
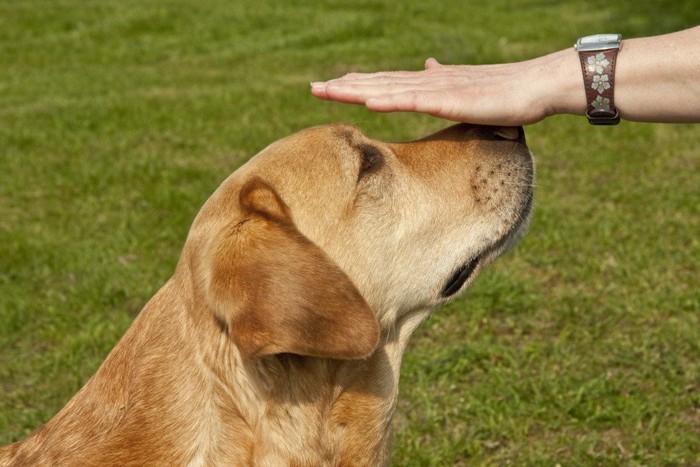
(119, 118)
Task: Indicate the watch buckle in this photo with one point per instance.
(603, 118)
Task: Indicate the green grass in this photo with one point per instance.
(119, 118)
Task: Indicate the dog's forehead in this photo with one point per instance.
(312, 160)
(312, 145)
(313, 168)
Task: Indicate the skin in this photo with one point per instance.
(656, 80)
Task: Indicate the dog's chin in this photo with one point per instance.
(467, 271)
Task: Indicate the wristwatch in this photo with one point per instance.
(598, 54)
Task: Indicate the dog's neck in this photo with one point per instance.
(340, 410)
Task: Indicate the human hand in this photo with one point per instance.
(506, 94)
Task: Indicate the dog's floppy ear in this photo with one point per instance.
(277, 292)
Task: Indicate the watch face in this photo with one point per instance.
(599, 42)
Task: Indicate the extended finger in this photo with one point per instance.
(360, 92)
(357, 85)
(434, 103)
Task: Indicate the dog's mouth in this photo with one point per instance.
(460, 276)
(469, 268)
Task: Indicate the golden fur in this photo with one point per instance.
(278, 340)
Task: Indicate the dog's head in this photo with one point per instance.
(327, 236)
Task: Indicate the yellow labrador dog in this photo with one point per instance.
(278, 340)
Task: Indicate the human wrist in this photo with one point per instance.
(564, 90)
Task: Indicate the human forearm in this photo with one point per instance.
(658, 78)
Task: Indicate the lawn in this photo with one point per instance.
(119, 118)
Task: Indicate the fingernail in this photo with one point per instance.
(317, 85)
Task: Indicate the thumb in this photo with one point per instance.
(431, 63)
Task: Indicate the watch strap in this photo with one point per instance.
(598, 68)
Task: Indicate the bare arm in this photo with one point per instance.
(657, 80)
